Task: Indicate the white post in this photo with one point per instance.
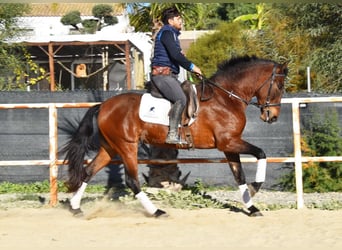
(72, 78)
(297, 154)
(308, 79)
(104, 64)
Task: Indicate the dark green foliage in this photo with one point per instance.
(8, 14)
(41, 187)
(321, 23)
(90, 25)
(327, 64)
(101, 10)
(302, 34)
(213, 48)
(103, 14)
(230, 11)
(12, 61)
(320, 20)
(72, 18)
(322, 137)
(110, 20)
(28, 188)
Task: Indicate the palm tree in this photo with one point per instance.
(145, 16)
(256, 19)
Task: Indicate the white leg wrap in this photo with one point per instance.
(261, 170)
(246, 198)
(146, 202)
(75, 201)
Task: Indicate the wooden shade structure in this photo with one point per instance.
(57, 49)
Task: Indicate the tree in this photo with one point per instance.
(229, 11)
(279, 38)
(103, 16)
(211, 49)
(15, 62)
(321, 137)
(195, 16)
(8, 14)
(72, 18)
(104, 13)
(321, 24)
(255, 20)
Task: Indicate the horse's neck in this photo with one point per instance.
(241, 89)
(248, 85)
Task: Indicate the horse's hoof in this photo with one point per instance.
(160, 213)
(76, 212)
(254, 212)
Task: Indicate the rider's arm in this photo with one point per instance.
(174, 51)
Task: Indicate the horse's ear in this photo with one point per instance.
(284, 67)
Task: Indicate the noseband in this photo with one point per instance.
(231, 94)
(271, 80)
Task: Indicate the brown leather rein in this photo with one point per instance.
(231, 94)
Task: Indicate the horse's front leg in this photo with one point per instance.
(239, 176)
(260, 175)
(243, 147)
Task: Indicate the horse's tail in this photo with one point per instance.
(82, 141)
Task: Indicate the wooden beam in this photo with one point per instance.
(128, 66)
(52, 67)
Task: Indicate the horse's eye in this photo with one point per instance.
(280, 85)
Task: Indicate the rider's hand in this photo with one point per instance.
(197, 71)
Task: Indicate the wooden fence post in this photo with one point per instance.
(53, 153)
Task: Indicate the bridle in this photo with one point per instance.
(231, 94)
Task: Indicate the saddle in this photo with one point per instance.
(192, 103)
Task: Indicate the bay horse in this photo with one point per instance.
(219, 124)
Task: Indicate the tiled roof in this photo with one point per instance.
(60, 9)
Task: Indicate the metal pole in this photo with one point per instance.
(104, 64)
(308, 78)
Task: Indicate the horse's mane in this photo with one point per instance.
(237, 64)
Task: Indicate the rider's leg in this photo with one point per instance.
(171, 89)
(175, 119)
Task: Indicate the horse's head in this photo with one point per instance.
(270, 92)
(239, 75)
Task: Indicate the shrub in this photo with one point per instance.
(321, 137)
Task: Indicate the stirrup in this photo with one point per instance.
(174, 138)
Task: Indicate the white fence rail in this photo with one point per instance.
(53, 161)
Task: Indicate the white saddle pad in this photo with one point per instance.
(154, 110)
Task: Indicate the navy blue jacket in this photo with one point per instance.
(167, 50)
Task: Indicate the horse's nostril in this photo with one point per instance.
(273, 119)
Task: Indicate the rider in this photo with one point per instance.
(167, 59)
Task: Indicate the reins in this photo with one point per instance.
(231, 94)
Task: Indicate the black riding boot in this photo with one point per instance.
(175, 119)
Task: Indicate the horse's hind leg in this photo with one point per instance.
(131, 173)
(239, 176)
(100, 161)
